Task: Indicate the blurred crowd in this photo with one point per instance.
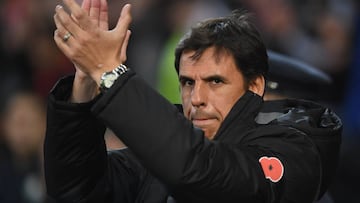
(322, 33)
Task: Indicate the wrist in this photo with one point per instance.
(100, 69)
(84, 89)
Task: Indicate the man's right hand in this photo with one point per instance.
(83, 41)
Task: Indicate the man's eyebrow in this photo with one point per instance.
(183, 77)
(208, 78)
(215, 77)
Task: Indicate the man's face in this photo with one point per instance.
(210, 86)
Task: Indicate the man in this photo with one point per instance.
(290, 78)
(213, 150)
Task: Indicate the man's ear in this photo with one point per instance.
(258, 85)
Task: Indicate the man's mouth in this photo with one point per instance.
(202, 122)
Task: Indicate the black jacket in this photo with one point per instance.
(295, 143)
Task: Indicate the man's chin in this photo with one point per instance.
(209, 134)
(207, 126)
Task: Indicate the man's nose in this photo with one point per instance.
(198, 95)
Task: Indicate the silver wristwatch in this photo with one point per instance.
(109, 78)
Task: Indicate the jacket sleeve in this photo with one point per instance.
(171, 148)
(78, 167)
(74, 149)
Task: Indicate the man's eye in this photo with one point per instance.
(189, 82)
(186, 82)
(216, 81)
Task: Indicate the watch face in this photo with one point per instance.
(109, 79)
(108, 83)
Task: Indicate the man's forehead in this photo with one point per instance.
(208, 67)
(209, 55)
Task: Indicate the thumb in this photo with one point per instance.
(124, 20)
(123, 56)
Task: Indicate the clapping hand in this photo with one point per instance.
(83, 36)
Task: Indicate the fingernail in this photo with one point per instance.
(58, 7)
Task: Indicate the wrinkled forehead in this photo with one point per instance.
(214, 53)
(209, 62)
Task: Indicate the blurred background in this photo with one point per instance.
(322, 33)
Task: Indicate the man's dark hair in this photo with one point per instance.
(235, 34)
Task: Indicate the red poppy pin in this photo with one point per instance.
(272, 167)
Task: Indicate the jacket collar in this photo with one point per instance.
(241, 117)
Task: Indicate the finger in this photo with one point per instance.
(124, 46)
(104, 16)
(61, 31)
(79, 14)
(66, 22)
(86, 6)
(58, 38)
(95, 12)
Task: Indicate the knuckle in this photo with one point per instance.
(71, 54)
(79, 14)
(66, 22)
(83, 40)
(75, 49)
